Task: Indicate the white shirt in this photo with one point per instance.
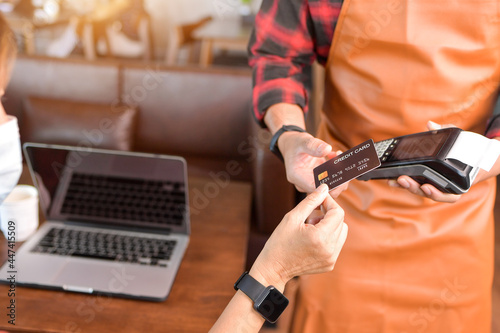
(10, 156)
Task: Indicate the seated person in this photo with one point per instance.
(10, 146)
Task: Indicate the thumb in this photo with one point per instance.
(334, 214)
(433, 126)
(315, 147)
(310, 203)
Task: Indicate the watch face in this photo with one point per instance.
(272, 305)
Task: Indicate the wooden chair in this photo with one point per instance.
(182, 36)
(95, 27)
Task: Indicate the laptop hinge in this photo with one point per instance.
(146, 230)
(77, 289)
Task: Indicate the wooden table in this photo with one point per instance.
(204, 284)
(227, 34)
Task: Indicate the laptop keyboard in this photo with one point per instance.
(101, 245)
(118, 198)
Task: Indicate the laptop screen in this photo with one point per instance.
(110, 187)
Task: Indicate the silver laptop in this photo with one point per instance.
(117, 223)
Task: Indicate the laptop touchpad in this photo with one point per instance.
(78, 276)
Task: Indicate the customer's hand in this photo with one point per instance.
(302, 153)
(296, 248)
(425, 190)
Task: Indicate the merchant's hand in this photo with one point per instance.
(425, 190)
(302, 153)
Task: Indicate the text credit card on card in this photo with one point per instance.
(347, 166)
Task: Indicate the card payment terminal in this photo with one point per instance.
(423, 157)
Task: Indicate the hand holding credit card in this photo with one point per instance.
(347, 166)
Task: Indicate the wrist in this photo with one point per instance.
(281, 114)
(268, 276)
(273, 146)
(284, 140)
(267, 299)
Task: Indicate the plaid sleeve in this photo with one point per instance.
(288, 36)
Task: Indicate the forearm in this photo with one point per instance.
(239, 315)
(281, 70)
(284, 114)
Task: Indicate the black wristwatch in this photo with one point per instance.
(268, 301)
(274, 141)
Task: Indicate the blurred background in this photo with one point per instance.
(170, 31)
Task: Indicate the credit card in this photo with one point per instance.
(347, 166)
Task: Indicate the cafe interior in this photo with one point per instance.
(173, 78)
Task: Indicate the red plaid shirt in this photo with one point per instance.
(288, 36)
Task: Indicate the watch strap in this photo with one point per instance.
(273, 146)
(251, 287)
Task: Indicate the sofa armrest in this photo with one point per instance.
(274, 196)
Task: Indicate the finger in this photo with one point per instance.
(334, 216)
(426, 190)
(436, 195)
(316, 147)
(393, 183)
(411, 185)
(329, 204)
(340, 240)
(314, 220)
(315, 217)
(337, 191)
(433, 126)
(333, 154)
(309, 204)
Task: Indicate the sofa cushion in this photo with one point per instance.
(67, 79)
(190, 112)
(78, 124)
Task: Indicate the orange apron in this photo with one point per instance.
(409, 264)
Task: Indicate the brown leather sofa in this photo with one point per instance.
(200, 114)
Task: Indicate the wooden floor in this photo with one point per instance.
(283, 324)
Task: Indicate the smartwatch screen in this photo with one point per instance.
(272, 305)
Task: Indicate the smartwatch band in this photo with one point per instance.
(273, 146)
(251, 287)
(268, 301)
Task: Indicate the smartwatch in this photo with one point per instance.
(268, 301)
(273, 146)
